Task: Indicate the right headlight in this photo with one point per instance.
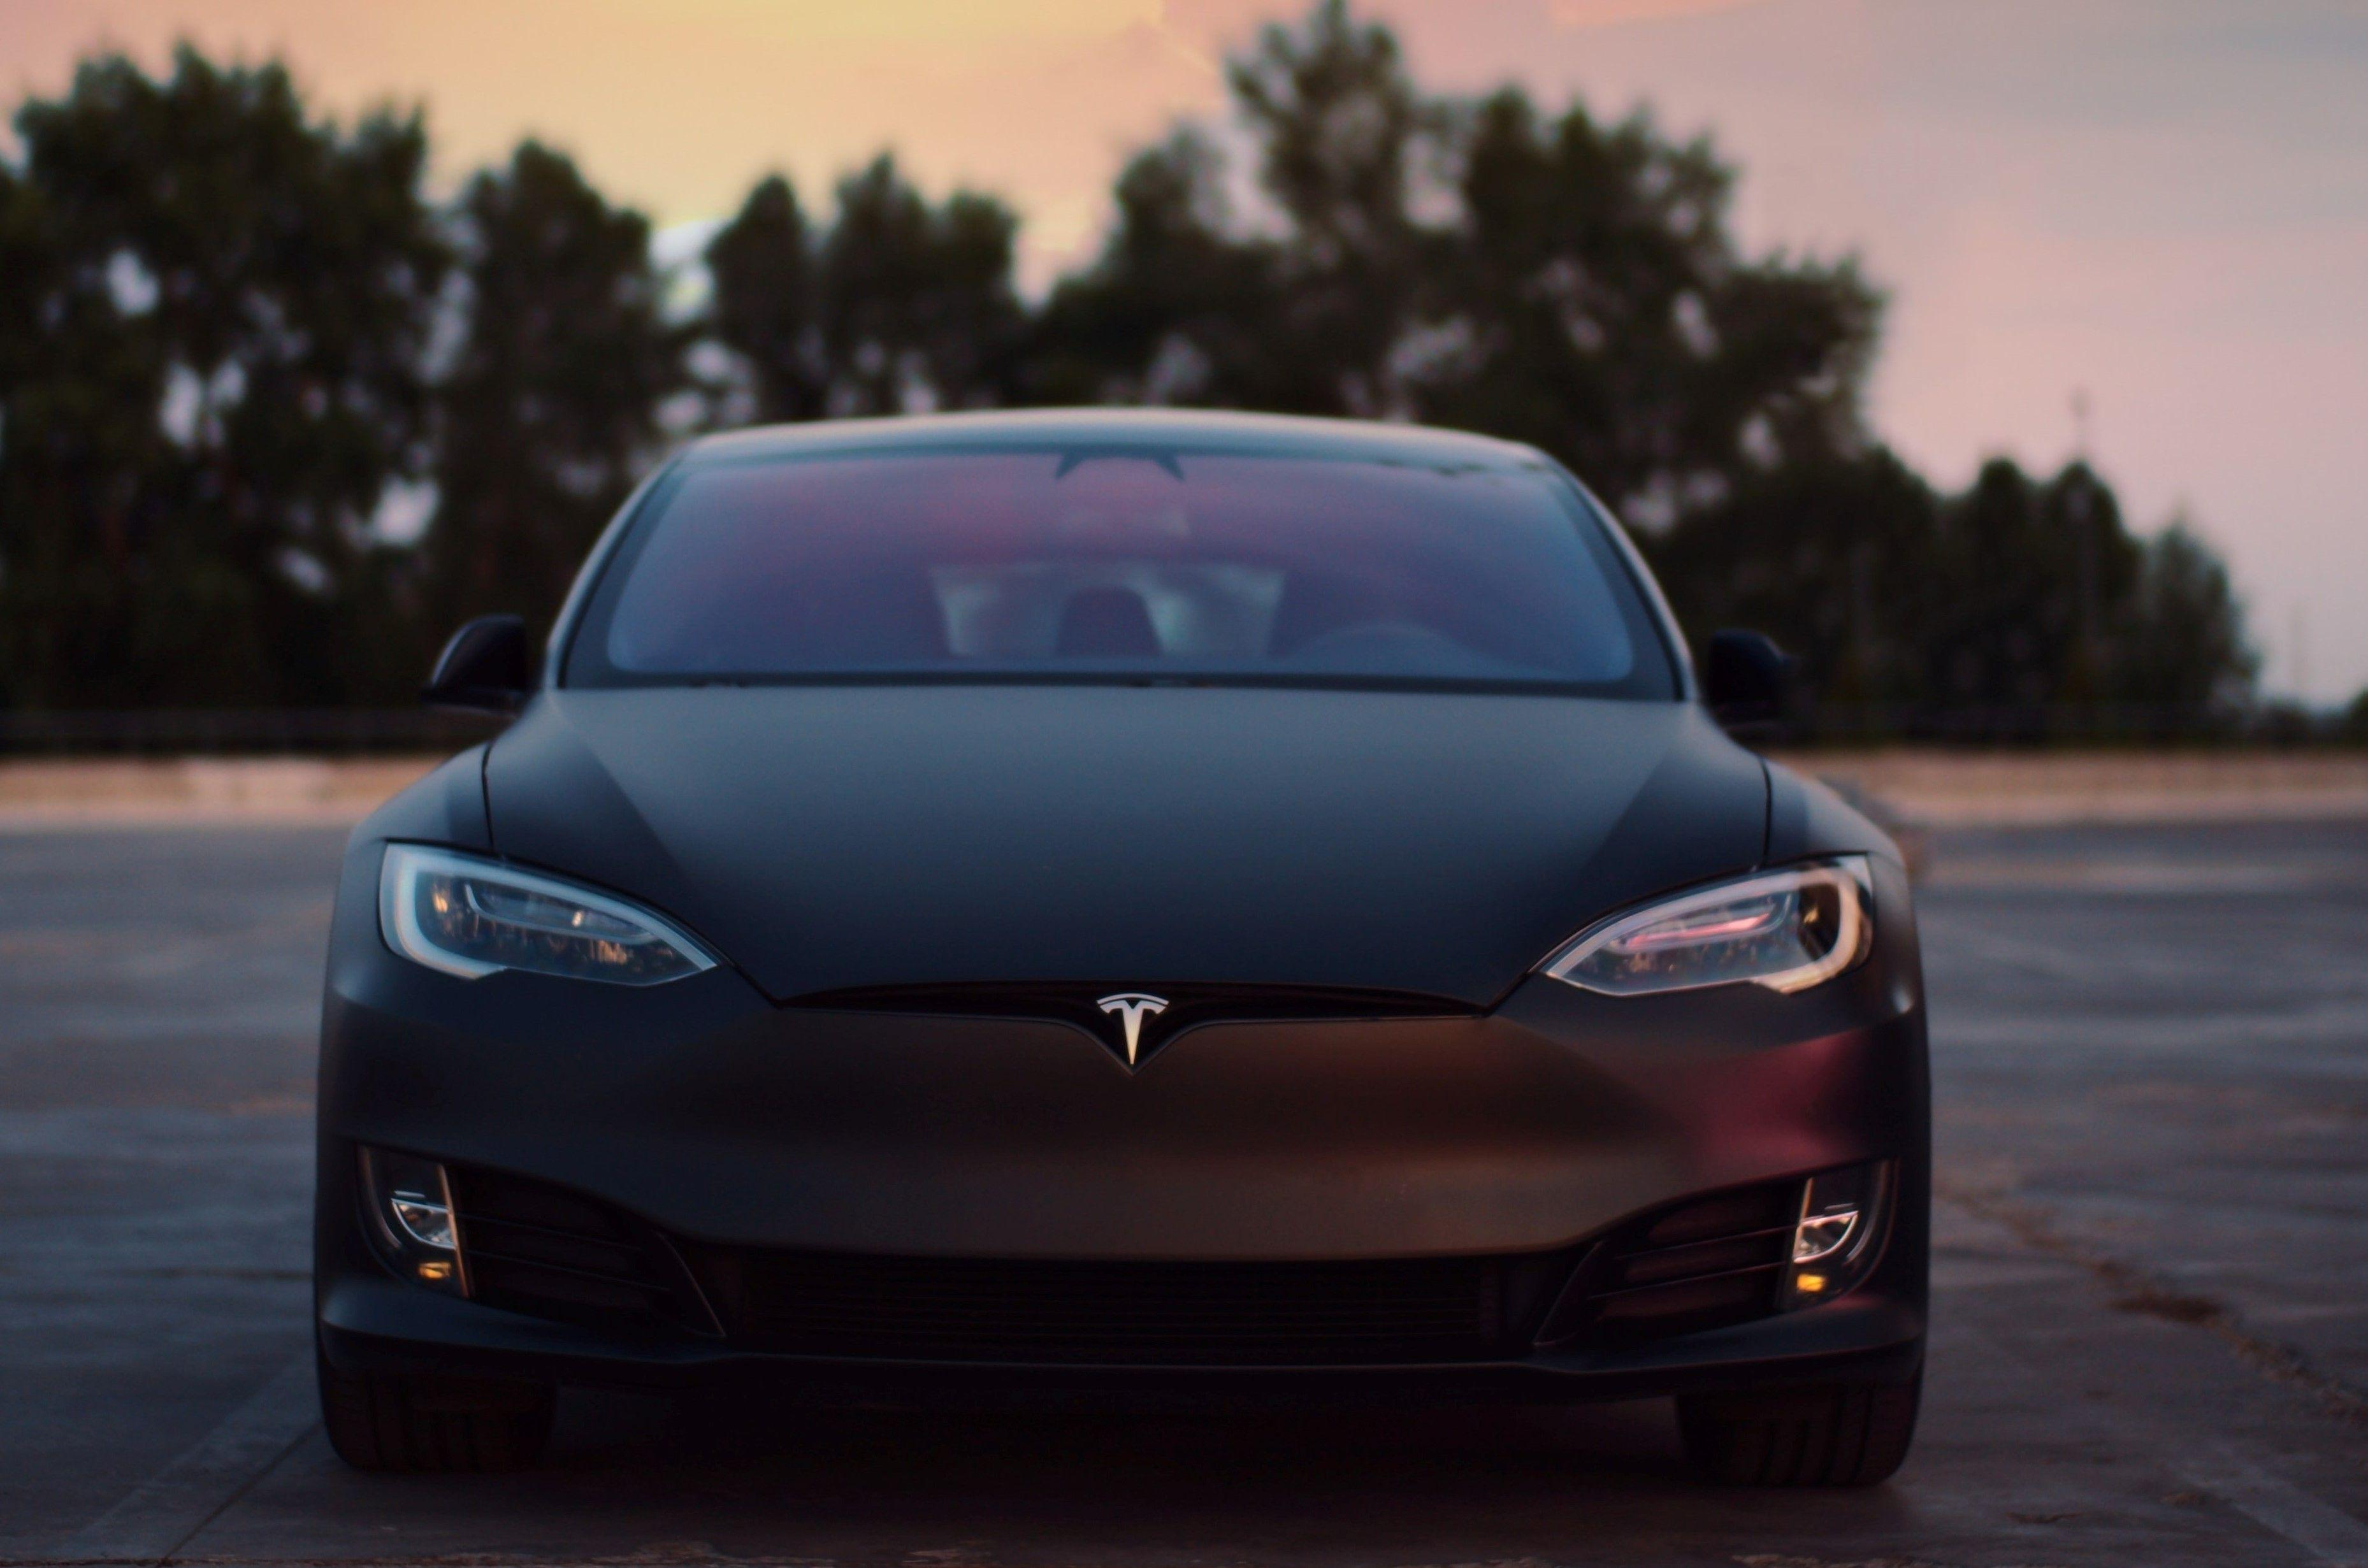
(472, 917)
(1786, 929)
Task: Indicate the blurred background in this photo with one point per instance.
(2004, 362)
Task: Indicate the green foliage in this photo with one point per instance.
(1603, 314)
(2352, 727)
(550, 411)
(900, 306)
(2180, 633)
(218, 312)
(232, 336)
(1832, 558)
(1176, 310)
(2029, 570)
(1469, 263)
(2001, 611)
(1342, 133)
(761, 267)
(918, 307)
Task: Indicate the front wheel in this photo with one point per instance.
(1825, 1435)
(428, 1425)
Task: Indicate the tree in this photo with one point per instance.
(550, 410)
(2352, 726)
(74, 389)
(2031, 575)
(918, 307)
(232, 334)
(1342, 135)
(1175, 308)
(2014, 607)
(1468, 264)
(2180, 638)
(764, 307)
(1602, 312)
(1192, 303)
(29, 260)
(219, 306)
(899, 306)
(1833, 559)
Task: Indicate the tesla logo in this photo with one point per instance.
(1130, 1007)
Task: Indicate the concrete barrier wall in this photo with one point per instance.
(1941, 788)
(1933, 789)
(254, 791)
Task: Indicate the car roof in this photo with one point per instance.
(1120, 428)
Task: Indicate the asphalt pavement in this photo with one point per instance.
(2151, 1319)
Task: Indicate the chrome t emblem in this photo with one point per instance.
(1131, 1007)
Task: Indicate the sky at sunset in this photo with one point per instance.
(2163, 202)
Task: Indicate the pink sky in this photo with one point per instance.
(2164, 202)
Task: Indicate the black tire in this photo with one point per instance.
(1829, 1434)
(433, 1425)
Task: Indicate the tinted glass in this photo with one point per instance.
(1101, 566)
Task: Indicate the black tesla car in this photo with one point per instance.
(1118, 906)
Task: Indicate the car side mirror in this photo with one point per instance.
(488, 666)
(1746, 679)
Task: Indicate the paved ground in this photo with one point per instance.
(2151, 1327)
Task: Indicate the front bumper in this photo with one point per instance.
(382, 1324)
(706, 1115)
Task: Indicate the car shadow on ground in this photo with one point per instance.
(659, 1480)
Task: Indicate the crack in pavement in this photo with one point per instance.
(2136, 1290)
(170, 1508)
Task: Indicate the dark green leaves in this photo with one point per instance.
(213, 348)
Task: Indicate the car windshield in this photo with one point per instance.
(1099, 564)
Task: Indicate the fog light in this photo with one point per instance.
(425, 1220)
(1833, 1239)
(413, 1218)
(1822, 1235)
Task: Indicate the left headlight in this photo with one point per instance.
(470, 917)
(1786, 929)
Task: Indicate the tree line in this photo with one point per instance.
(273, 418)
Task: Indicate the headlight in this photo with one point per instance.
(470, 917)
(1787, 930)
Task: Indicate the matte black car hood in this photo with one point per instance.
(826, 837)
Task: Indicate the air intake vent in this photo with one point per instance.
(545, 1251)
(1712, 1262)
(1048, 1312)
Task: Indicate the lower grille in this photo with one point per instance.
(543, 1250)
(1129, 1312)
(1705, 1265)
